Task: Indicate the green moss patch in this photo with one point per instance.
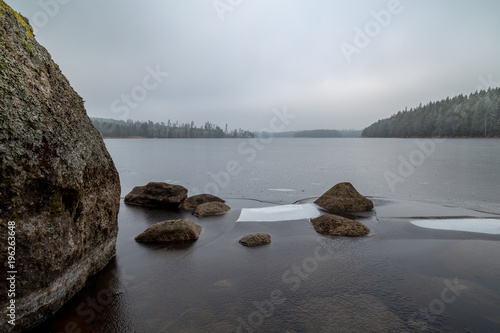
(55, 208)
(19, 17)
(29, 47)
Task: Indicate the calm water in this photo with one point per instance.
(399, 278)
(464, 173)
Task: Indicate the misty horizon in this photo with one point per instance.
(333, 65)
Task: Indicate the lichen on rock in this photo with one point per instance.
(58, 182)
(194, 201)
(157, 194)
(343, 197)
(170, 231)
(334, 225)
(213, 208)
(22, 20)
(255, 240)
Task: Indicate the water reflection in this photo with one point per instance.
(100, 304)
(301, 282)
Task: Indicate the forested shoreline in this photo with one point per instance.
(321, 133)
(110, 128)
(476, 115)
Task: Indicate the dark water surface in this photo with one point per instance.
(399, 278)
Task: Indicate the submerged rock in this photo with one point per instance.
(170, 231)
(192, 202)
(161, 195)
(211, 209)
(256, 239)
(343, 197)
(334, 225)
(347, 313)
(478, 303)
(59, 188)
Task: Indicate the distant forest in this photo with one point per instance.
(476, 115)
(111, 128)
(321, 133)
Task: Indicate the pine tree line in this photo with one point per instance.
(320, 133)
(476, 115)
(111, 128)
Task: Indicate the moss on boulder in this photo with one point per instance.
(59, 183)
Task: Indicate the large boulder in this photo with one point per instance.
(170, 231)
(192, 202)
(59, 188)
(161, 195)
(256, 240)
(343, 197)
(211, 209)
(334, 225)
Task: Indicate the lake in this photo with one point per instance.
(401, 277)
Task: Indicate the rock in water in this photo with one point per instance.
(58, 182)
(192, 202)
(170, 231)
(343, 197)
(211, 209)
(256, 240)
(161, 195)
(334, 225)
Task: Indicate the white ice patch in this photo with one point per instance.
(279, 213)
(281, 190)
(484, 226)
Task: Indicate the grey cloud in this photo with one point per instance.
(268, 54)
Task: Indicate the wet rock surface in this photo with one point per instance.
(157, 194)
(334, 225)
(211, 209)
(194, 201)
(256, 240)
(170, 231)
(343, 197)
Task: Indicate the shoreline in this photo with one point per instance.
(278, 137)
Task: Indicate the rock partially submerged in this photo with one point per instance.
(170, 231)
(192, 202)
(334, 225)
(60, 190)
(343, 197)
(157, 194)
(256, 240)
(211, 209)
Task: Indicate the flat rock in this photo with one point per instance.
(156, 194)
(256, 239)
(334, 225)
(343, 197)
(211, 209)
(170, 231)
(192, 202)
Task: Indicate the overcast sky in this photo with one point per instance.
(332, 64)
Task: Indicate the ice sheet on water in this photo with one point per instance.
(279, 213)
(485, 226)
(281, 189)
